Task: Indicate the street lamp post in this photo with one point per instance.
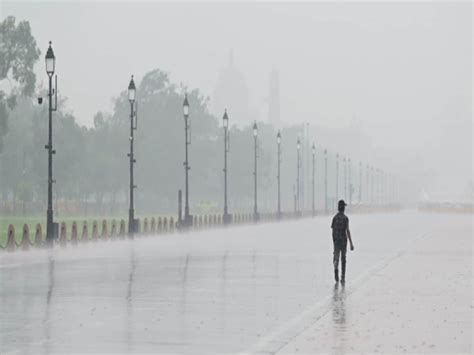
(337, 177)
(344, 166)
(325, 180)
(377, 185)
(278, 173)
(225, 121)
(298, 165)
(50, 66)
(382, 187)
(313, 149)
(133, 127)
(372, 183)
(367, 193)
(360, 182)
(350, 180)
(187, 141)
(255, 135)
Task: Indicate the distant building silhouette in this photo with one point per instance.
(231, 93)
(274, 99)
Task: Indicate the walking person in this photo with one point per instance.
(340, 235)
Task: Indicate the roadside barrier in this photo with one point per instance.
(63, 235)
(85, 232)
(74, 233)
(446, 207)
(171, 227)
(38, 236)
(104, 234)
(95, 231)
(122, 232)
(114, 229)
(11, 243)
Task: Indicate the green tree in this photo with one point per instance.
(18, 54)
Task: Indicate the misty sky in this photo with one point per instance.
(404, 70)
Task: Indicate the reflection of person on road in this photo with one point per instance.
(340, 329)
(340, 234)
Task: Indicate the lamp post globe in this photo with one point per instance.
(225, 120)
(131, 91)
(186, 106)
(50, 60)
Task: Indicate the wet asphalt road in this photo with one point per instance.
(245, 289)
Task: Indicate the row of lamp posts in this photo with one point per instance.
(186, 221)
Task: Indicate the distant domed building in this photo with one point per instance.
(231, 93)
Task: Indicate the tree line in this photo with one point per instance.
(91, 166)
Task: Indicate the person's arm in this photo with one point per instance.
(348, 233)
(349, 237)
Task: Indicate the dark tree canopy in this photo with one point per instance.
(18, 54)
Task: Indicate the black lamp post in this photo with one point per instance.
(372, 184)
(278, 173)
(382, 187)
(225, 123)
(344, 169)
(298, 165)
(187, 141)
(255, 135)
(326, 180)
(132, 225)
(377, 185)
(51, 230)
(367, 193)
(337, 177)
(313, 149)
(349, 177)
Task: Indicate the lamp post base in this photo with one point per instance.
(256, 217)
(227, 219)
(186, 222)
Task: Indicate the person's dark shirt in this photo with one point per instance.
(340, 224)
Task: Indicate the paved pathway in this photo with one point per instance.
(263, 288)
(420, 301)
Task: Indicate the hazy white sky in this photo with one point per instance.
(404, 69)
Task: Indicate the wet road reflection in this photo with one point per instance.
(339, 318)
(49, 295)
(209, 292)
(129, 298)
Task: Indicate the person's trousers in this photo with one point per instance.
(340, 248)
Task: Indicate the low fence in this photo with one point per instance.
(446, 207)
(115, 230)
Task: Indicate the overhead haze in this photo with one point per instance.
(400, 72)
